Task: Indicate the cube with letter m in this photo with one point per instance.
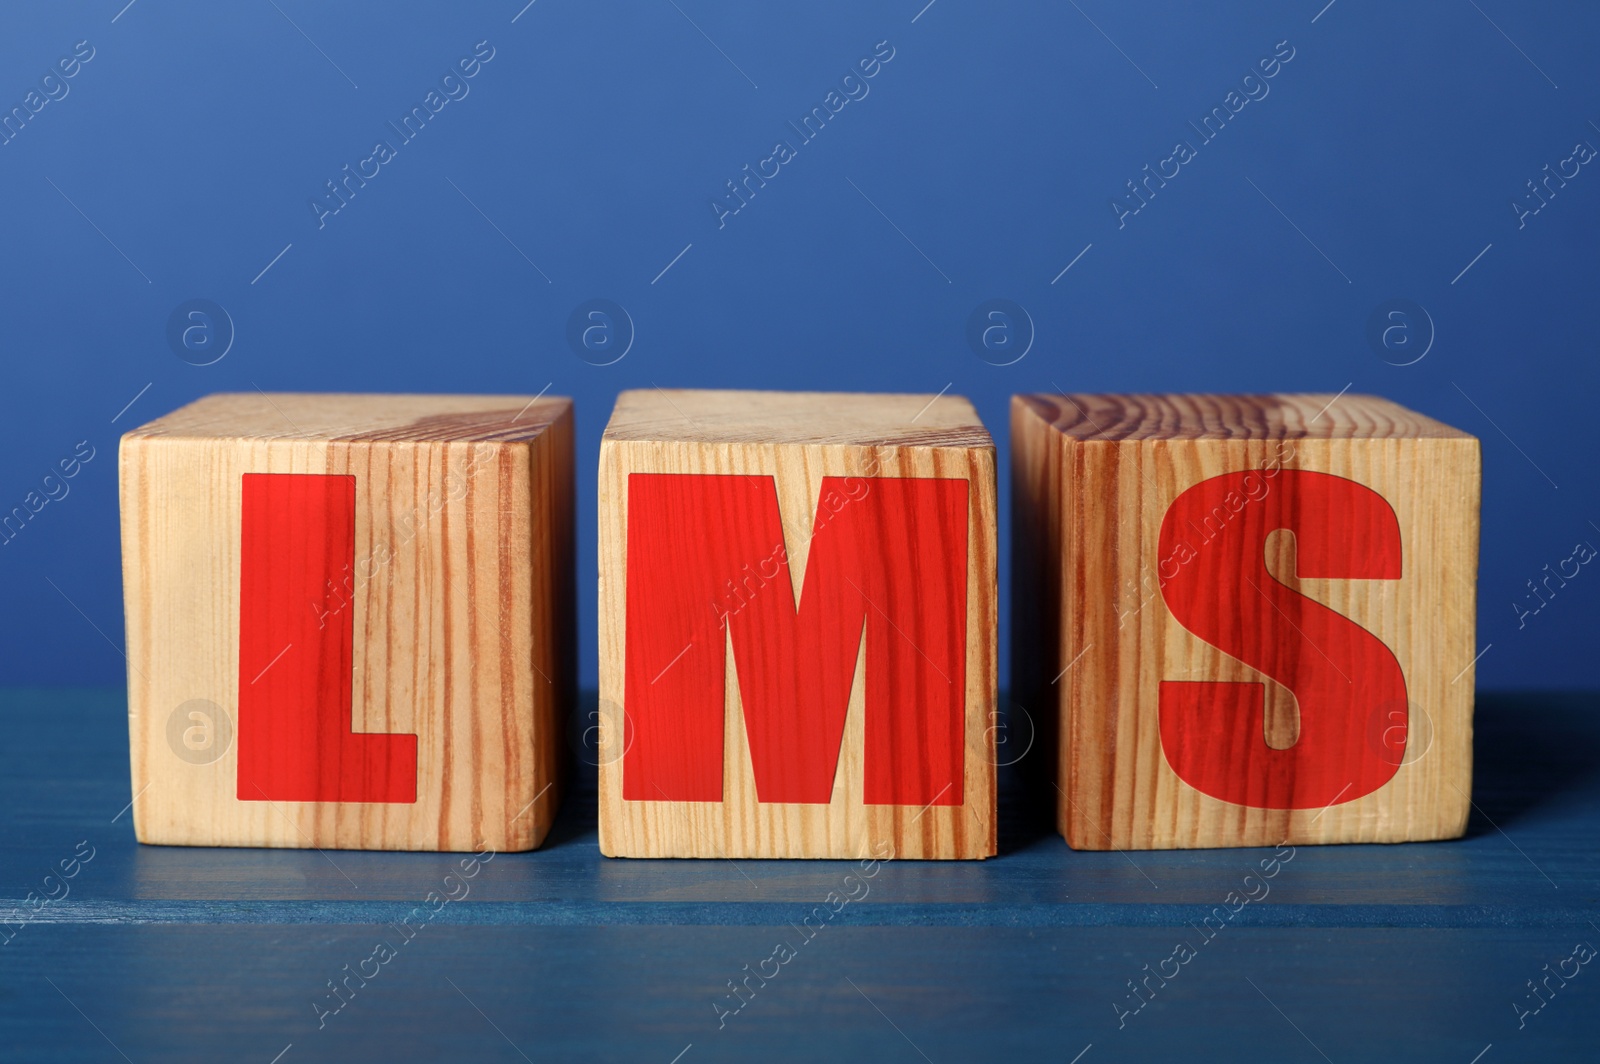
(797, 626)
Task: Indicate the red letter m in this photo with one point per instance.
(706, 562)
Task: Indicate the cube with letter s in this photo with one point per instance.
(1250, 617)
(797, 626)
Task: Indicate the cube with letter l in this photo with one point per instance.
(797, 626)
(349, 620)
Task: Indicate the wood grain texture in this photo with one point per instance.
(460, 597)
(795, 441)
(1096, 638)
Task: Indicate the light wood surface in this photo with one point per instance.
(460, 597)
(1094, 638)
(798, 439)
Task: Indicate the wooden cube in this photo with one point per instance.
(797, 626)
(350, 620)
(1252, 616)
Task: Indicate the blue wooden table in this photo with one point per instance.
(1425, 952)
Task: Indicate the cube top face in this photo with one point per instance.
(797, 627)
(348, 619)
(1255, 613)
(845, 419)
(363, 418)
(1135, 418)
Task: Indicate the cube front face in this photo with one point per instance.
(1254, 613)
(797, 627)
(345, 620)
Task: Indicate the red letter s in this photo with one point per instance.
(1342, 675)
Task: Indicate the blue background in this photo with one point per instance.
(1381, 165)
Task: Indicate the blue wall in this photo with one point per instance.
(1376, 164)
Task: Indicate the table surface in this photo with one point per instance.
(1415, 952)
